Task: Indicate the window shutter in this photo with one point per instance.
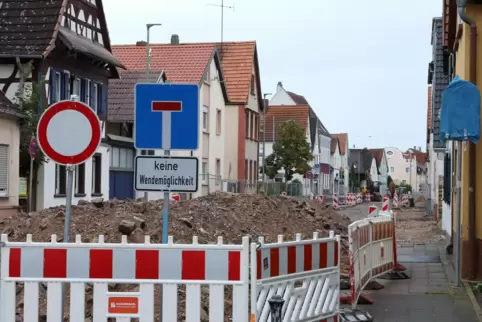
(91, 94)
(3, 169)
(63, 86)
(52, 86)
(83, 91)
(102, 110)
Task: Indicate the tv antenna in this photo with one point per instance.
(222, 6)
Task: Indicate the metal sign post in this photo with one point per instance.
(458, 226)
(68, 133)
(32, 149)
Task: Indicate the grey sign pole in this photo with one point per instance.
(68, 206)
(457, 222)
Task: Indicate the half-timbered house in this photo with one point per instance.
(62, 47)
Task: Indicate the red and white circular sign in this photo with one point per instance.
(69, 132)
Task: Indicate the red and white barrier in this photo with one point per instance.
(385, 204)
(359, 198)
(373, 252)
(352, 199)
(145, 264)
(372, 211)
(280, 266)
(405, 200)
(368, 197)
(275, 269)
(175, 196)
(335, 201)
(395, 200)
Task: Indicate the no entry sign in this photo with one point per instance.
(69, 132)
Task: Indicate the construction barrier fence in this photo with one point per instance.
(276, 268)
(372, 251)
(304, 274)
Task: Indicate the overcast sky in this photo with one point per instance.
(362, 65)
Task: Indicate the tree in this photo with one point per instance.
(270, 167)
(28, 101)
(291, 152)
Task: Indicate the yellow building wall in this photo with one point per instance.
(462, 70)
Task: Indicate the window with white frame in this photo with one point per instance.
(3, 170)
(79, 184)
(407, 170)
(122, 158)
(97, 174)
(218, 122)
(392, 169)
(205, 119)
(205, 171)
(218, 171)
(60, 180)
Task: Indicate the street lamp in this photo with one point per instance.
(352, 184)
(148, 47)
(265, 107)
(148, 63)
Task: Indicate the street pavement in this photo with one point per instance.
(428, 296)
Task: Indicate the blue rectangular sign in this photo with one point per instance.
(181, 101)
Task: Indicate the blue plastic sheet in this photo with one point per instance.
(460, 114)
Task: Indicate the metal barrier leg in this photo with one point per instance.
(276, 305)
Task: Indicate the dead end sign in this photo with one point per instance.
(69, 132)
(166, 116)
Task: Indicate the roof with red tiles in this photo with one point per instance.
(8, 108)
(421, 157)
(298, 99)
(121, 94)
(182, 64)
(334, 143)
(186, 63)
(279, 114)
(378, 153)
(343, 139)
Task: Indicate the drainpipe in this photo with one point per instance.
(471, 249)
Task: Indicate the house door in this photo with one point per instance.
(121, 185)
(121, 173)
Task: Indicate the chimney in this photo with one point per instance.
(175, 40)
(279, 87)
(141, 43)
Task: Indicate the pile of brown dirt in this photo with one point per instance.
(231, 216)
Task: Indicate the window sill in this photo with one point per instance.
(60, 195)
(205, 131)
(80, 195)
(218, 133)
(3, 196)
(96, 194)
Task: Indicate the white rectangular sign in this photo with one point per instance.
(175, 174)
